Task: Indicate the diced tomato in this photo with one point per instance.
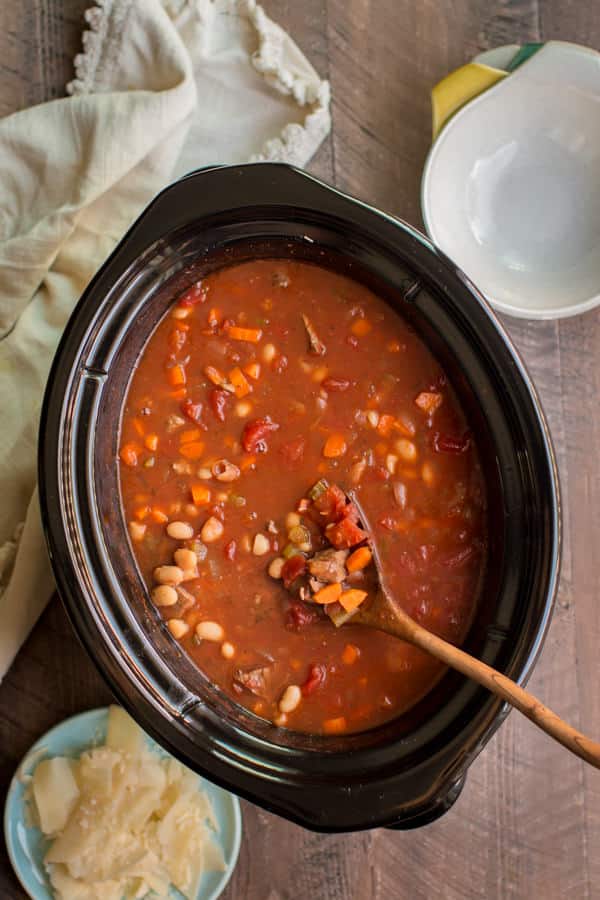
(300, 614)
(330, 503)
(350, 512)
(292, 569)
(196, 294)
(255, 433)
(345, 534)
(335, 385)
(293, 451)
(446, 443)
(193, 411)
(217, 399)
(230, 549)
(316, 677)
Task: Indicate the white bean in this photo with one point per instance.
(212, 530)
(391, 461)
(406, 449)
(227, 650)
(185, 559)
(204, 473)
(223, 470)
(181, 531)
(280, 720)
(269, 352)
(275, 567)
(373, 418)
(210, 631)
(261, 545)
(178, 628)
(137, 531)
(291, 520)
(168, 575)
(290, 698)
(165, 595)
(243, 409)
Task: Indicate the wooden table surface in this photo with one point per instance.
(527, 825)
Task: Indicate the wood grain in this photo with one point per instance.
(527, 824)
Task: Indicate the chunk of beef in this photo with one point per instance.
(253, 680)
(328, 565)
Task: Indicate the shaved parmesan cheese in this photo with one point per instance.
(126, 821)
(55, 792)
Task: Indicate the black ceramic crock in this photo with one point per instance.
(409, 771)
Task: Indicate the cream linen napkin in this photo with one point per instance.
(162, 87)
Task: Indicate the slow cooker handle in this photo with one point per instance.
(215, 191)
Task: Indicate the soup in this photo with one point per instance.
(268, 387)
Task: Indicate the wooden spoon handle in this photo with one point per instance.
(499, 684)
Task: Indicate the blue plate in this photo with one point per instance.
(27, 846)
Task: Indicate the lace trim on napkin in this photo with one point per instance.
(295, 143)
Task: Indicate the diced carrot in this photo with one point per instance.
(358, 560)
(352, 599)
(335, 446)
(428, 401)
(328, 594)
(214, 317)
(335, 726)
(350, 654)
(139, 427)
(252, 335)
(141, 513)
(200, 494)
(360, 327)
(393, 346)
(179, 394)
(129, 454)
(214, 375)
(248, 462)
(157, 515)
(193, 450)
(385, 425)
(176, 375)
(239, 382)
(151, 442)
(190, 434)
(252, 370)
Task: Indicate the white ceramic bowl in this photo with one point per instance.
(511, 187)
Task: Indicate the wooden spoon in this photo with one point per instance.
(385, 614)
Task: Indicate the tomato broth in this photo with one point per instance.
(262, 381)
